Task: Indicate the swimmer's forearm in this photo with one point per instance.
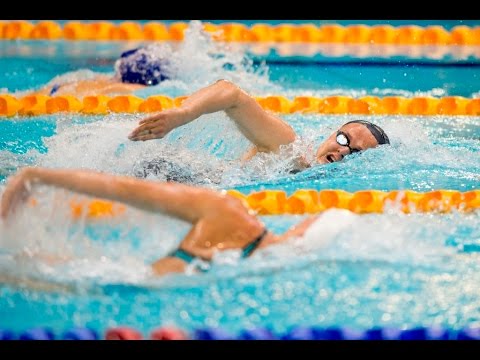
(265, 130)
(219, 96)
(181, 201)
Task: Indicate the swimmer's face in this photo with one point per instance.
(358, 136)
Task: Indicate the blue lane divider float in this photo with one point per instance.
(313, 333)
(212, 334)
(296, 333)
(256, 334)
(299, 333)
(80, 334)
(37, 334)
(438, 333)
(353, 334)
(7, 335)
(469, 334)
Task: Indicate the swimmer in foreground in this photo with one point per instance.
(134, 70)
(219, 221)
(264, 129)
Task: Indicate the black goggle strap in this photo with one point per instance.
(378, 133)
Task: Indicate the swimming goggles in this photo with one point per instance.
(343, 140)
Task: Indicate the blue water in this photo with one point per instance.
(446, 155)
(380, 80)
(428, 279)
(391, 270)
(30, 64)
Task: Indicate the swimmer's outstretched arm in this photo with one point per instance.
(184, 202)
(217, 218)
(265, 130)
(188, 203)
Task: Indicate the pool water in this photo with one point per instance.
(395, 272)
(317, 75)
(427, 153)
(392, 270)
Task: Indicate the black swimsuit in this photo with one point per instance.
(246, 251)
(169, 169)
(173, 171)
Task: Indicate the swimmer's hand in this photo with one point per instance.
(159, 125)
(16, 191)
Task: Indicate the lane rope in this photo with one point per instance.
(260, 32)
(34, 105)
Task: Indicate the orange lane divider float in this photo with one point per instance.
(307, 201)
(96, 208)
(95, 105)
(274, 202)
(34, 105)
(90, 209)
(260, 32)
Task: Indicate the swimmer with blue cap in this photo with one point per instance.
(134, 70)
(264, 129)
(141, 66)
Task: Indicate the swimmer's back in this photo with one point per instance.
(101, 85)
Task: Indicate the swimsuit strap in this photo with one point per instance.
(247, 250)
(183, 255)
(188, 257)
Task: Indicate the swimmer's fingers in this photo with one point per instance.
(161, 116)
(159, 129)
(15, 192)
(145, 128)
(150, 126)
(155, 133)
(145, 137)
(139, 131)
(150, 119)
(167, 115)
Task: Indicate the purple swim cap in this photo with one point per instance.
(141, 66)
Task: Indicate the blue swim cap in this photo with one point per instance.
(141, 66)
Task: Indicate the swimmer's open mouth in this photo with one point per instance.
(330, 158)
